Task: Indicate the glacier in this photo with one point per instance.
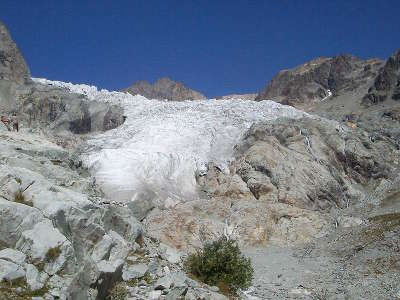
(162, 145)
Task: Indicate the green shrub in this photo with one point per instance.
(222, 264)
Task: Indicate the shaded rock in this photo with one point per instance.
(134, 271)
(10, 271)
(170, 254)
(13, 256)
(319, 80)
(102, 249)
(163, 283)
(35, 279)
(121, 221)
(386, 84)
(176, 292)
(14, 219)
(43, 106)
(12, 64)
(46, 244)
(141, 205)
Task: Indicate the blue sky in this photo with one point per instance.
(216, 47)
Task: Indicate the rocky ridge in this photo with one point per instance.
(164, 88)
(12, 64)
(387, 83)
(238, 96)
(320, 79)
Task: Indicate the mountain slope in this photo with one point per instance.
(164, 88)
(12, 64)
(319, 79)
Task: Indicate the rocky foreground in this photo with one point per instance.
(56, 242)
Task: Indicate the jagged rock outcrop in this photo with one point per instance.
(319, 79)
(45, 107)
(387, 83)
(12, 64)
(164, 88)
(60, 239)
(237, 96)
(287, 178)
(58, 110)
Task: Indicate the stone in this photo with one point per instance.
(163, 283)
(176, 292)
(166, 270)
(109, 266)
(14, 219)
(154, 295)
(10, 271)
(134, 271)
(35, 279)
(102, 248)
(179, 279)
(170, 254)
(120, 249)
(12, 255)
(119, 220)
(346, 221)
(42, 237)
(141, 205)
(214, 289)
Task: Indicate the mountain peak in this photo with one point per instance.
(12, 64)
(164, 88)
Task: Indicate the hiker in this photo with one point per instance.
(14, 121)
(5, 122)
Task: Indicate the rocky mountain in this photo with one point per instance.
(312, 198)
(164, 88)
(237, 96)
(319, 79)
(41, 106)
(12, 64)
(387, 83)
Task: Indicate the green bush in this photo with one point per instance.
(222, 264)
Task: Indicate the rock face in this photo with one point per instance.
(286, 176)
(12, 64)
(164, 88)
(44, 106)
(59, 239)
(237, 96)
(387, 83)
(319, 79)
(41, 106)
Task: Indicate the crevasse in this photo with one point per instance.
(162, 144)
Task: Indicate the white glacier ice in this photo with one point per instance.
(162, 145)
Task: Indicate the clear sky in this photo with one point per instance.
(215, 47)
